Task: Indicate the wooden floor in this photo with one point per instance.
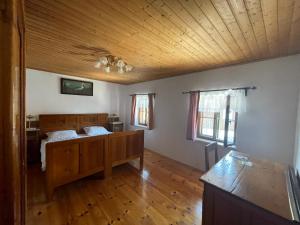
(166, 192)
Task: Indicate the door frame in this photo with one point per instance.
(12, 113)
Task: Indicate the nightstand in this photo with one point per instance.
(116, 126)
(33, 145)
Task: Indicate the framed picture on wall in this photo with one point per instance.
(76, 87)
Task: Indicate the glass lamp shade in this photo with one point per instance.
(103, 60)
(107, 69)
(98, 65)
(120, 70)
(120, 63)
(128, 68)
(110, 62)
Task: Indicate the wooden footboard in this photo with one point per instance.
(70, 160)
(126, 146)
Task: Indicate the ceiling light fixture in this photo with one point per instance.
(111, 62)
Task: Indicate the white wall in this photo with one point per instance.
(43, 96)
(297, 141)
(266, 130)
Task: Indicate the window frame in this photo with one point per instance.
(146, 118)
(216, 125)
(212, 138)
(136, 119)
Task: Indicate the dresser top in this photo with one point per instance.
(260, 182)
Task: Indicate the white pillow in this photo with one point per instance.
(62, 135)
(96, 130)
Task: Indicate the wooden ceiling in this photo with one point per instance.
(160, 38)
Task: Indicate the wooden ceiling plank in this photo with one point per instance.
(53, 57)
(285, 16)
(269, 10)
(138, 42)
(160, 17)
(120, 31)
(236, 44)
(180, 17)
(82, 33)
(71, 48)
(57, 34)
(294, 42)
(196, 13)
(48, 57)
(160, 33)
(232, 25)
(229, 18)
(240, 14)
(160, 38)
(255, 14)
(150, 35)
(188, 33)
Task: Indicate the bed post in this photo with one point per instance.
(107, 159)
(141, 141)
(141, 162)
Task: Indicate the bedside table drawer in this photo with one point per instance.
(116, 127)
(33, 146)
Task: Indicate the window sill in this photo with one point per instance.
(206, 141)
(141, 127)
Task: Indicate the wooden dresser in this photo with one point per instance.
(240, 190)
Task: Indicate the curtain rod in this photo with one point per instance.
(226, 89)
(143, 94)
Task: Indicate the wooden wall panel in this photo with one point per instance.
(160, 38)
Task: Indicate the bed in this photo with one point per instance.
(69, 160)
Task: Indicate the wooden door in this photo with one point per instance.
(64, 161)
(92, 155)
(12, 114)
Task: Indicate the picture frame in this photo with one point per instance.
(76, 87)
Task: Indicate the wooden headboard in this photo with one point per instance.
(55, 122)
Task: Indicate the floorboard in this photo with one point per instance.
(166, 192)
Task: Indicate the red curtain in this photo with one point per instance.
(150, 111)
(133, 106)
(192, 122)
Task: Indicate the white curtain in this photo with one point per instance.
(238, 101)
(216, 101)
(212, 101)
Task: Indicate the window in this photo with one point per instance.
(142, 111)
(211, 126)
(218, 116)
